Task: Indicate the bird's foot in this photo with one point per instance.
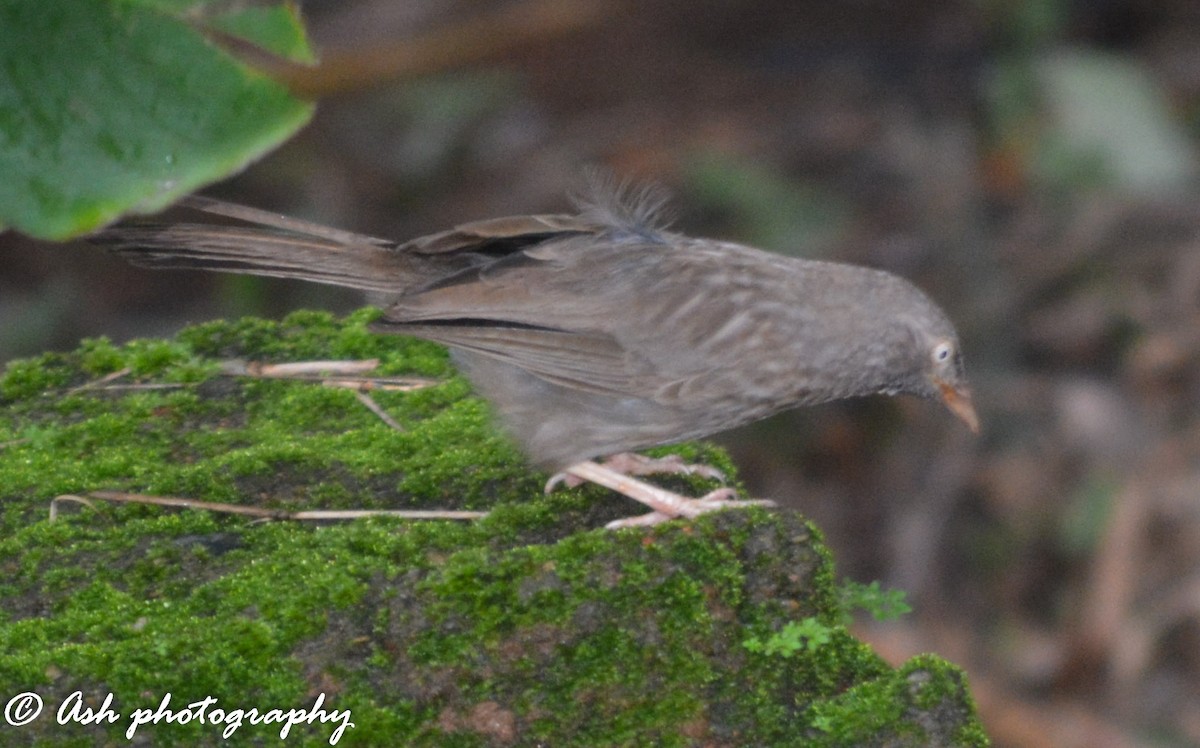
(631, 463)
(722, 498)
(666, 504)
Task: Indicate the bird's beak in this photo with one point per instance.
(958, 400)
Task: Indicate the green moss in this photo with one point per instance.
(923, 703)
(527, 627)
(98, 356)
(27, 378)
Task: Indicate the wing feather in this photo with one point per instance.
(594, 363)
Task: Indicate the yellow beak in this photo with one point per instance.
(958, 400)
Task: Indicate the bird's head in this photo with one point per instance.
(923, 356)
(946, 380)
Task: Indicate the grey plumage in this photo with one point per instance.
(602, 332)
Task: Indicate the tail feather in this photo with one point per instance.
(282, 247)
(257, 251)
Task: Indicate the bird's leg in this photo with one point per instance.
(666, 505)
(631, 463)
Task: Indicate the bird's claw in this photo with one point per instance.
(722, 498)
(630, 463)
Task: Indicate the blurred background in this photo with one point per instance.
(1032, 164)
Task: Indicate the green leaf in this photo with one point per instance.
(108, 106)
(278, 30)
(807, 634)
(881, 604)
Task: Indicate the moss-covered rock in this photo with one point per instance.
(528, 627)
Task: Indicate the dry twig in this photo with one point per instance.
(347, 374)
(253, 511)
(96, 383)
(489, 35)
(374, 407)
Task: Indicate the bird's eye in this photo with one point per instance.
(942, 351)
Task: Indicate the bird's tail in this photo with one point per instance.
(273, 245)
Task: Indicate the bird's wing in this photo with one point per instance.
(497, 237)
(560, 310)
(592, 363)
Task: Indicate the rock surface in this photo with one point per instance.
(528, 627)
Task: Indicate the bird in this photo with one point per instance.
(601, 332)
